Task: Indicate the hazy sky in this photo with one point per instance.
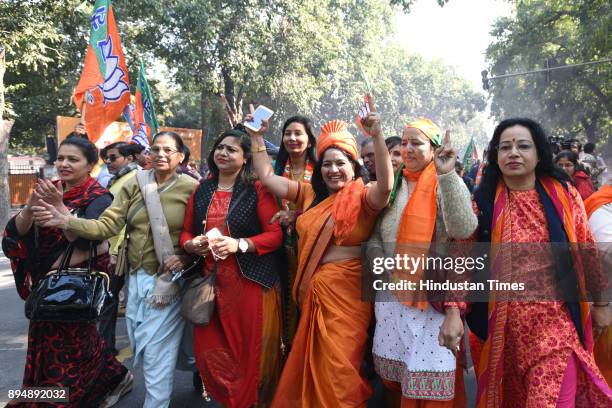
(458, 33)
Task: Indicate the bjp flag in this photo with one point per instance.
(145, 120)
(104, 88)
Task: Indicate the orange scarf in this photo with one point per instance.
(416, 229)
(598, 199)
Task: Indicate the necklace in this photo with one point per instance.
(296, 175)
(225, 188)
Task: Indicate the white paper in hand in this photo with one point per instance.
(212, 236)
(261, 113)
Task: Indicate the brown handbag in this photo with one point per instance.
(198, 301)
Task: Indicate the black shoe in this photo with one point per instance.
(197, 382)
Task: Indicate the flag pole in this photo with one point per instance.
(84, 107)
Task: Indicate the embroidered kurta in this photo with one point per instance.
(238, 352)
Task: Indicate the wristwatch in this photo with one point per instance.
(243, 245)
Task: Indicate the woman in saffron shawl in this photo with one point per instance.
(536, 353)
(323, 367)
(599, 210)
(65, 354)
(238, 352)
(295, 161)
(430, 204)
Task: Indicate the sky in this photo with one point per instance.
(461, 36)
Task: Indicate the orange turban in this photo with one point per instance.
(335, 133)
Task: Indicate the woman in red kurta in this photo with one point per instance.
(238, 352)
(538, 342)
(568, 161)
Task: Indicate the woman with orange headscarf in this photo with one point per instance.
(323, 367)
(599, 212)
(431, 204)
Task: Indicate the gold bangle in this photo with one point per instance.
(259, 149)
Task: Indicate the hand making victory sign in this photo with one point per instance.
(445, 156)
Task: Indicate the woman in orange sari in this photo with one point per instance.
(538, 346)
(323, 367)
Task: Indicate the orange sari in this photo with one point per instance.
(323, 367)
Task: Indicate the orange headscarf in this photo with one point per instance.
(335, 133)
(428, 128)
(598, 199)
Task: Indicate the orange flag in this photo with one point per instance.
(104, 88)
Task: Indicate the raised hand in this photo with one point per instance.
(264, 124)
(445, 156)
(371, 123)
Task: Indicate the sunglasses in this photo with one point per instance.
(112, 158)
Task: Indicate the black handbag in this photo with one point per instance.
(70, 294)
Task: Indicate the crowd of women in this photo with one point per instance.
(290, 327)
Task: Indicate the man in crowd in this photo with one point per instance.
(120, 159)
(367, 155)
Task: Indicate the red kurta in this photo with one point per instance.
(236, 353)
(540, 336)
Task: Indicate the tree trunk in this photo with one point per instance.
(203, 95)
(5, 130)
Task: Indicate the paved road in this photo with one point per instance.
(13, 344)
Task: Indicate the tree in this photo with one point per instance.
(570, 101)
(5, 129)
(45, 41)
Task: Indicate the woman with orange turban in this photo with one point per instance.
(323, 367)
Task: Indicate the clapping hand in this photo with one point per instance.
(47, 215)
(51, 194)
(445, 156)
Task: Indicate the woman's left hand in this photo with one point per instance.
(224, 246)
(451, 331)
(445, 156)
(602, 318)
(173, 263)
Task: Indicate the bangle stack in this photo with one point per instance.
(258, 149)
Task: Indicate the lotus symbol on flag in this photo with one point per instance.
(113, 86)
(141, 136)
